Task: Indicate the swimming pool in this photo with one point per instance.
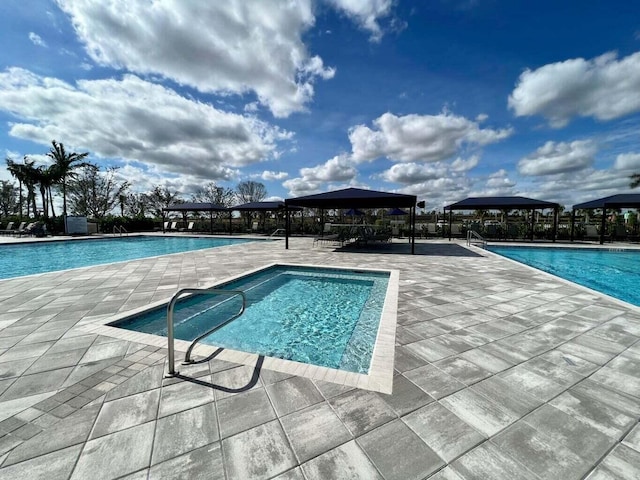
(614, 272)
(321, 316)
(30, 258)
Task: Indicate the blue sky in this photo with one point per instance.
(443, 99)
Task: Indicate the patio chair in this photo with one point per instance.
(8, 230)
(189, 227)
(22, 230)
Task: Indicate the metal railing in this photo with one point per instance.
(170, 307)
(474, 237)
(120, 229)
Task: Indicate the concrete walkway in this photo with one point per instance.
(502, 372)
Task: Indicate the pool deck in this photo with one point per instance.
(501, 372)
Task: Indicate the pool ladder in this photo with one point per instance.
(170, 307)
(475, 237)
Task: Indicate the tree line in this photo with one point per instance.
(88, 190)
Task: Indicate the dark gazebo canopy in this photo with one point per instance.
(354, 198)
(349, 198)
(502, 203)
(194, 207)
(629, 200)
(262, 207)
(499, 203)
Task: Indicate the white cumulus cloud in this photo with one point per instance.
(133, 119)
(366, 14)
(627, 161)
(558, 157)
(37, 39)
(269, 175)
(603, 88)
(229, 47)
(419, 138)
(337, 169)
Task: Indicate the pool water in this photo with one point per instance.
(321, 316)
(613, 272)
(30, 258)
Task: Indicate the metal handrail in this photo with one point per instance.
(170, 307)
(473, 235)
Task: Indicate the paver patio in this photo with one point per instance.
(501, 372)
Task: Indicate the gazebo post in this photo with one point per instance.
(603, 223)
(533, 222)
(230, 222)
(162, 220)
(573, 222)
(286, 228)
(450, 222)
(555, 223)
(211, 222)
(412, 220)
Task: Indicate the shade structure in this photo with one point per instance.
(263, 207)
(355, 198)
(504, 203)
(625, 200)
(195, 207)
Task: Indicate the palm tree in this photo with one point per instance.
(17, 172)
(64, 165)
(27, 177)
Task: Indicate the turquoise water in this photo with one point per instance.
(26, 259)
(613, 272)
(325, 317)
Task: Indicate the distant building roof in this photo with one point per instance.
(631, 200)
(488, 203)
(354, 198)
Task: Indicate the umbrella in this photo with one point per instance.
(354, 212)
(397, 211)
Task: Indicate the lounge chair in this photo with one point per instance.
(189, 227)
(22, 230)
(8, 230)
(173, 226)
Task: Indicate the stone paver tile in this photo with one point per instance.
(185, 431)
(479, 412)
(22, 352)
(622, 463)
(53, 466)
(362, 411)
(579, 437)
(506, 394)
(102, 351)
(539, 453)
(406, 396)
(261, 452)
(611, 397)
(271, 376)
(488, 461)
(126, 412)
(117, 454)
(570, 362)
(232, 381)
(430, 350)
(84, 372)
(535, 384)
(148, 379)
(599, 415)
(406, 360)
(393, 448)
(71, 431)
(27, 431)
(183, 396)
(314, 430)
(618, 380)
(345, 461)
(462, 370)
(8, 442)
(294, 474)
(446, 473)
(15, 368)
(244, 411)
(35, 384)
(632, 440)
(330, 389)
(485, 360)
(443, 431)
(434, 381)
(293, 394)
(203, 463)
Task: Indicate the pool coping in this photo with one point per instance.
(622, 303)
(379, 378)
